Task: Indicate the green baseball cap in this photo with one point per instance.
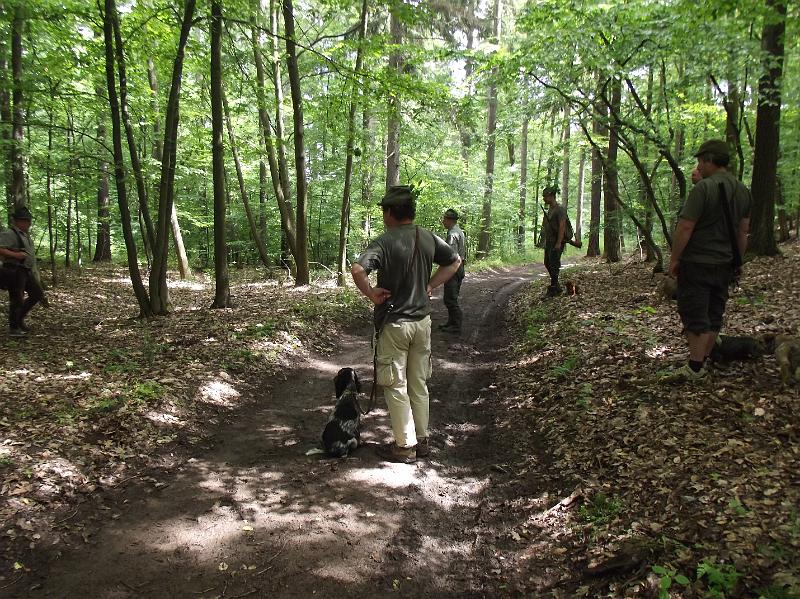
(717, 147)
(450, 213)
(550, 190)
(22, 213)
(398, 195)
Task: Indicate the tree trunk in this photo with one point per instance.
(611, 191)
(70, 187)
(102, 250)
(523, 179)
(222, 296)
(299, 144)
(598, 129)
(158, 154)
(262, 249)
(16, 155)
(579, 201)
(565, 160)
(393, 123)
(344, 222)
(119, 170)
(768, 114)
(485, 233)
(49, 189)
(159, 293)
(5, 126)
(279, 185)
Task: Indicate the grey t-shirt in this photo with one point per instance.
(710, 242)
(390, 254)
(554, 217)
(457, 241)
(14, 239)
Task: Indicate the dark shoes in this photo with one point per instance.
(450, 328)
(391, 452)
(554, 291)
(423, 448)
(17, 332)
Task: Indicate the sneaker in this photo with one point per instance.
(25, 327)
(451, 328)
(16, 332)
(423, 448)
(391, 452)
(444, 326)
(684, 374)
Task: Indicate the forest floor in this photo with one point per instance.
(168, 458)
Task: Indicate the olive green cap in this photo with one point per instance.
(450, 213)
(717, 147)
(550, 190)
(398, 195)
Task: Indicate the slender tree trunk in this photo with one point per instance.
(611, 232)
(537, 186)
(299, 145)
(5, 126)
(579, 202)
(278, 184)
(262, 249)
(523, 180)
(344, 221)
(49, 189)
(393, 123)
(485, 233)
(222, 296)
(565, 160)
(598, 129)
(102, 250)
(159, 293)
(119, 170)
(158, 154)
(17, 157)
(70, 187)
(768, 114)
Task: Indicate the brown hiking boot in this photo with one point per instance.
(391, 452)
(423, 448)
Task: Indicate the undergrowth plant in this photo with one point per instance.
(720, 579)
(667, 576)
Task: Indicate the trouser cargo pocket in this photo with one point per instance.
(386, 373)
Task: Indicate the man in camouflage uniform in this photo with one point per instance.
(404, 256)
(452, 288)
(702, 253)
(18, 272)
(555, 222)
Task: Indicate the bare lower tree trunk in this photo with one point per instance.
(17, 157)
(598, 129)
(5, 125)
(159, 292)
(523, 180)
(49, 187)
(768, 115)
(222, 295)
(393, 123)
(119, 169)
(565, 160)
(344, 222)
(301, 181)
(102, 250)
(579, 201)
(158, 154)
(251, 221)
(611, 239)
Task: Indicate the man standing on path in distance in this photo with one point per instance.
(555, 224)
(404, 257)
(452, 288)
(710, 238)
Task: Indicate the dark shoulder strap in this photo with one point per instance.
(726, 211)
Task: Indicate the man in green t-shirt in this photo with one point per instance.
(452, 288)
(702, 253)
(555, 223)
(404, 256)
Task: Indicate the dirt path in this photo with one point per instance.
(254, 516)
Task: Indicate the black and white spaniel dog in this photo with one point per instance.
(341, 435)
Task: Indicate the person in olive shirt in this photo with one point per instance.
(555, 223)
(18, 272)
(702, 253)
(452, 288)
(404, 256)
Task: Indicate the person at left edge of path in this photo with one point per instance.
(18, 271)
(555, 224)
(452, 288)
(404, 256)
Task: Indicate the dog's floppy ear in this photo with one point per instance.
(340, 382)
(357, 382)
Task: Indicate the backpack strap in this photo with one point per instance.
(726, 213)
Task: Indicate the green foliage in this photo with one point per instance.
(567, 366)
(720, 579)
(776, 591)
(601, 510)
(667, 576)
(148, 391)
(532, 320)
